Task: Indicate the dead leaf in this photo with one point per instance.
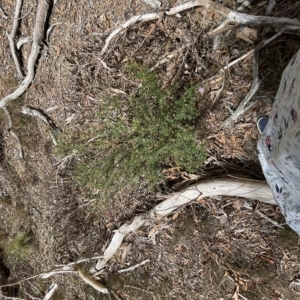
(117, 91)
(238, 204)
(175, 216)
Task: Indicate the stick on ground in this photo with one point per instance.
(243, 106)
(38, 36)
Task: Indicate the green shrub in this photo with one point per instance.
(155, 129)
(19, 247)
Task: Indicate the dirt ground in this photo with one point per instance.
(219, 248)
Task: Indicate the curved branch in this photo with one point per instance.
(231, 18)
(11, 38)
(252, 189)
(21, 155)
(38, 35)
(130, 22)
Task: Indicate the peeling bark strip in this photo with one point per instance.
(38, 36)
(251, 189)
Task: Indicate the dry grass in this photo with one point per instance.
(208, 250)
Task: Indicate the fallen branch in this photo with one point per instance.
(135, 266)
(34, 112)
(233, 17)
(51, 291)
(256, 190)
(3, 14)
(13, 133)
(38, 35)
(268, 219)
(92, 282)
(127, 24)
(261, 45)
(50, 30)
(243, 107)
(252, 189)
(11, 38)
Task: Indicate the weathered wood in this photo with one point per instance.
(229, 186)
(38, 36)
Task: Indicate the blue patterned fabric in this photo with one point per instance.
(279, 145)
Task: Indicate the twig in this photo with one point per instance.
(283, 24)
(130, 22)
(115, 295)
(22, 41)
(255, 84)
(63, 270)
(92, 282)
(4, 15)
(31, 111)
(204, 3)
(137, 288)
(11, 38)
(134, 267)
(256, 48)
(10, 298)
(268, 219)
(13, 133)
(165, 58)
(242, 108)
(50, 30)
(80, 261)
(51, 291)
(223, 27)
(38, 35)
(244, 5)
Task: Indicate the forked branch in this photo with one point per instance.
(38, 36)
(232, 18)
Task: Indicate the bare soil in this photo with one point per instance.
(213, 249)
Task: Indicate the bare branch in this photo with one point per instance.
(135, 266)
(130, 22)
(11, 38)
(233, 19)
(283, 24)
(38, 35)
(13, 133)
(251, 189)
(268, 219)
(243, 107)
(3, 14)
(51, 291)
(92, 282)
